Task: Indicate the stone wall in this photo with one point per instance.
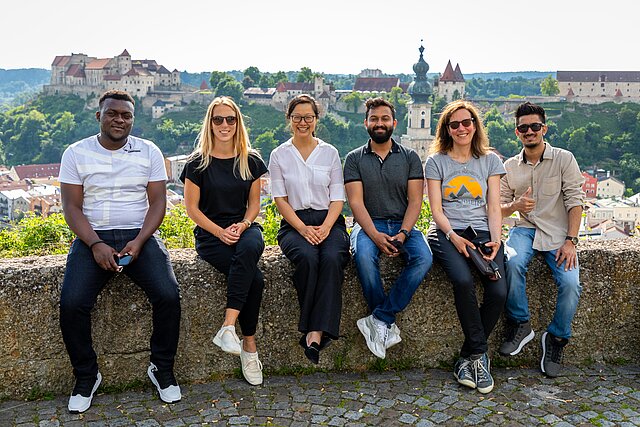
(32, 355)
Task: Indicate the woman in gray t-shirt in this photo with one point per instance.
(463, 182)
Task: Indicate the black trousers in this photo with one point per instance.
(319, 272)
(83, 281)
(477, 322)
(239, 262)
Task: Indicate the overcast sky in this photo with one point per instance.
(331, 36)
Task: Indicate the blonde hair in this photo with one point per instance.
(241, 145)
(443, 142)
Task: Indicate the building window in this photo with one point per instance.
(422, 123)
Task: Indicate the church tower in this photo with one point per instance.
(418, 135)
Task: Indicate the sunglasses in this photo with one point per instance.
(466, 123)
(217, 120)
(534, 127)
(307, 119)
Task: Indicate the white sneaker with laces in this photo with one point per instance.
(251, 367)
(171, 393)
(393, 336)
(375, 334)
(79, 403)
(228, 340)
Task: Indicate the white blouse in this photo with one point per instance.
(308, 184)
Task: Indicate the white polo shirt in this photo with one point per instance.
(114, 182)
(313, 183)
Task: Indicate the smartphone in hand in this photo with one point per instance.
(123, 261)
(469, 233)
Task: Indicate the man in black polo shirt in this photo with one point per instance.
(384, 182)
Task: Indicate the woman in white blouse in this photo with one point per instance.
(308, 189)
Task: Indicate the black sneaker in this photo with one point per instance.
(464, 373)
(516, 336)
(83, 392)
(482, 370)
(165, 383)
(552, 352)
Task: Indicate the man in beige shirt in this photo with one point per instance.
(544, 185)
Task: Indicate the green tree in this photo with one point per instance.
(248, 82)
(271, 224)
(265, 143)
(627, 119)
(305, 75)
(217, 77)
(176, 229)
(549, 86)
(230, 87)
(253, 73)
(353, 100)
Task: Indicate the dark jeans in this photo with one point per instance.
(83, 282)
(319, 271)
(239, 262)
(477, 322)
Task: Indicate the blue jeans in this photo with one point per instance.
(83, 281)
(568, 282)
(417, 255)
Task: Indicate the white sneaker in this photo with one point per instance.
(375, 334)
(79, 403)
(171, 392)
(393, 336)
(251, 367)
(228, 340)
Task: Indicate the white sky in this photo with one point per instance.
(331, 36)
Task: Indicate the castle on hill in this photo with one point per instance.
(86, 76)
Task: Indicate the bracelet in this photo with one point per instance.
(448, 235)
(95, 243)
(246, 222)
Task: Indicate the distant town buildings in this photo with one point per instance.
(451, 83)
(594, 86)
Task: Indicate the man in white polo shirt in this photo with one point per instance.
(114, 200)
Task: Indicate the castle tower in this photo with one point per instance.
(124, 62)
(418, 134)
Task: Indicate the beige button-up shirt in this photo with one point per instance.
(556, 184)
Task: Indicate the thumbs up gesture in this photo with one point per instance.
(525, 202)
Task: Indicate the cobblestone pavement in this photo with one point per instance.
(596, 395)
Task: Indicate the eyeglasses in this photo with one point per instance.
(307, 119)
(217, 120)
(525, 127)
(466, 123)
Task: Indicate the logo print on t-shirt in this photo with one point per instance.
(463, 187)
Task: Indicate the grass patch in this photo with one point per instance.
(510, 362)
(120, 388)
(292, 370)
(36, 393)
(584, 407)
(619, 361)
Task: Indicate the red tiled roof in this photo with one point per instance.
(60, 61)
(375, 84)
(570, 92)
(458, 73)
(76, 70)
(285, 86)
(449, 75)
(132, 72)
(38, 171)
(125, 53)
(618, 93)
(98, 64)
(163, 70)
(203, 85)
(112, 77)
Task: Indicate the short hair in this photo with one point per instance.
(527, 109)
(379, 102)
(302, 99)
(443, 142)
(116, 94)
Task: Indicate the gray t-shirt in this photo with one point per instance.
(464, 187)
(385, 182)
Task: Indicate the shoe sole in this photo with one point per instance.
(524, 342)
(485, 390)
(217, 341)
(544, 353)
(157, 385)
(466, 383)
(362, 326)
(95, 388)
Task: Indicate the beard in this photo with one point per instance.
(380, 138)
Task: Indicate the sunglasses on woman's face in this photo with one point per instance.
(525, 127)
(217, 120)
(466, 123)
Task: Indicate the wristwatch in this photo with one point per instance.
(573, 239)
(406, 233)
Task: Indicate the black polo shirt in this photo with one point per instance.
(384, 182)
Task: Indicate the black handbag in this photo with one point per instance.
(486, 268)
